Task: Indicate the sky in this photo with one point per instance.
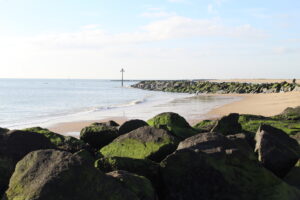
(157, 39)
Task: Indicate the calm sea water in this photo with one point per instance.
(42, 102)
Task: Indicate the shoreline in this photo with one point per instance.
(256, 104)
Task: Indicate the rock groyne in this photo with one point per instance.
(215, 87)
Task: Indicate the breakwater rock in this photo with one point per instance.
(186, 86)
(236, 157)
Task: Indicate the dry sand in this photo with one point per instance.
(76, 126)
(258, 104)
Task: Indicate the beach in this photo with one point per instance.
(67, 106)
(256, 104)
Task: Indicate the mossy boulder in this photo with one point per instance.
(142, 167)
(196, 175)
(98, 135)
(145, 142)
(276, 150)
(290, 114)
(131, 125)
(14, 145)
(174, 123)
(228, 125)
(139, 185)
(66, 143)
(251, 123)
(60, 175)
(205, 126)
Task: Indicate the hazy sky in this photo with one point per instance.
(151, 39)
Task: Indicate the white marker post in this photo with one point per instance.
(122, 71)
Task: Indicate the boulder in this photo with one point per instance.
(14, 145)
(276, 150)
(174, 123)
(98, 135)
(145, 142)
(60, 175)
(189, 175)
(290, 114)
(139, 185)
(142, 167)
(217, 144)
(66, 143)
(131, 125)
(108, 123)
(228, 125)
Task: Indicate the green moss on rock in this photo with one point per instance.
(66, 143)
(205, 126)
(60, 175)
(144, 142)
(174, 123)
(251, 123)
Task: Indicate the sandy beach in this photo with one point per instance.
(258, 104)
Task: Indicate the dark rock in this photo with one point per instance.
(276, 150)
(142, 167)
(189, 175)
(174, 123)
(14, 145)
(131, 125)
(228, 125)
(108, 123)
(293, 177)
(241, 141)
(52, 174)
(217, 144)
(145, 142)
(98, 135)
(139, 185)
(66, 143)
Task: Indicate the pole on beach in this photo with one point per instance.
(122, 71)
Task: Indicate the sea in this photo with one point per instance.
(46, 102)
